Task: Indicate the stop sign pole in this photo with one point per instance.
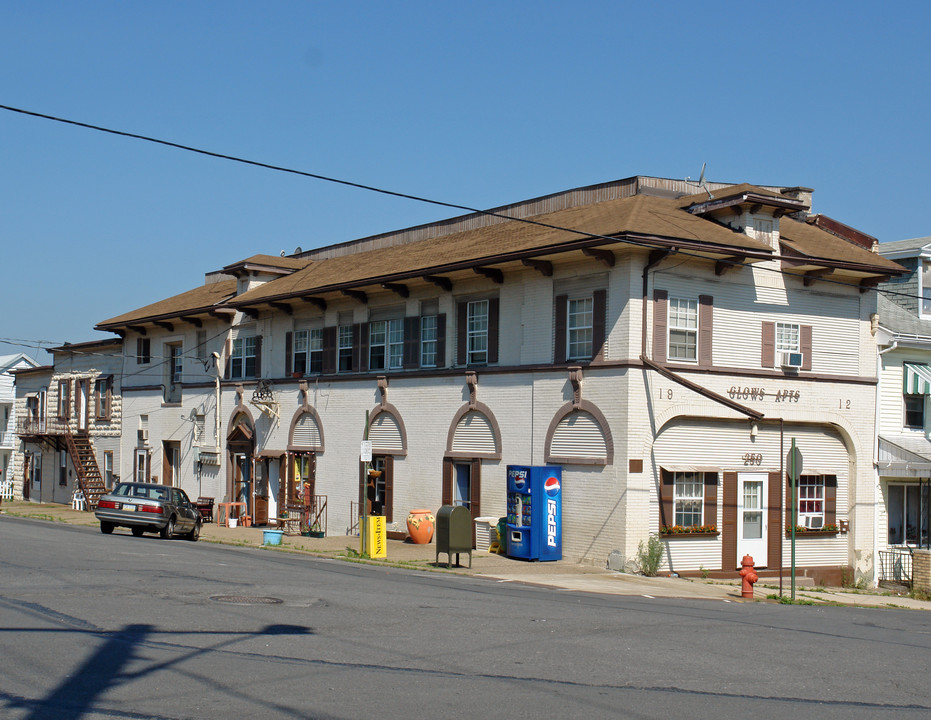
(794, 465)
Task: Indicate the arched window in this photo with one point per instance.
(579, 435)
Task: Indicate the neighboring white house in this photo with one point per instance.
(664, 351)
(9, 363)
(903, 426)
(70, 408)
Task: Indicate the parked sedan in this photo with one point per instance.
(146, 507)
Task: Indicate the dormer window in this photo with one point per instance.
(764, 230)
(925, 280)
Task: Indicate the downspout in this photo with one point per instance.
(216, 435)
(877, 490)
(654, 259)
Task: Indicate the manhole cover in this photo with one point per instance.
(245, 600)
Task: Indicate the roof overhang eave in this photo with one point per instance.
(178, 316)
(647, 242)
(708, 206)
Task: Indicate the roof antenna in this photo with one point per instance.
(701, 181)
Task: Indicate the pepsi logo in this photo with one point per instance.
(551, 486)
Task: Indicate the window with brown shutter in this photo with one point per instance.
(560, 330)
(660, 305)
(411, 342)
(288, 345)
(477, 332)
(329, 350)
(599, 323)
(768, 346)
(805, 340)
(705, 326)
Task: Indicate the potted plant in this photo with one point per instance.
(311, 530)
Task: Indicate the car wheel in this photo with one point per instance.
(195, 532)
(106, 527)
(169, 529)
(137, 531)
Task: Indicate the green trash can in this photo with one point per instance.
(502, 530)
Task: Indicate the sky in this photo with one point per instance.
(478, 104)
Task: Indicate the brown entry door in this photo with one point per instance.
(260, 511)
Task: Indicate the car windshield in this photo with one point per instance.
(141, 491)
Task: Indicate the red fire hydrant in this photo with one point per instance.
(749, 577)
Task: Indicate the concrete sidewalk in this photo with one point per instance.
(562, 574)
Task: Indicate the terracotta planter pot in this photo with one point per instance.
(420, 526)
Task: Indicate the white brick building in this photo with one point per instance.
(664, 349)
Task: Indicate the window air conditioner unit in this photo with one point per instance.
(143, 436)
(814, 522)
(791, 360)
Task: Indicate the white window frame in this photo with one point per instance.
(386, 344)
(243, 353)
(580, 327)
(141, 469)
(811, 501)
(682, 318)
(309, 344)
(428, 338)
(102, 388)
(788, 341)
(917, 538)
(684, 498)
(477, 318)
(344, 348)
(920, 402)
(924, 287)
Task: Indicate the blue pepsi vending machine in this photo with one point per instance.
(534, 512)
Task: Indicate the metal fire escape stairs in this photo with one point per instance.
(85, 464)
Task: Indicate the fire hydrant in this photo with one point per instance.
(749, 577)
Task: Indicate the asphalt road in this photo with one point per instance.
(95, 626)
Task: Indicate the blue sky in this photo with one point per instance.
(478, 104)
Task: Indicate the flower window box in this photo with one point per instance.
(669, 531)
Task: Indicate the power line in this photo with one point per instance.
(392, 193)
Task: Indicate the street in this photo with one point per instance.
(98, 626)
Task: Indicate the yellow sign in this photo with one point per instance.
(376, 545)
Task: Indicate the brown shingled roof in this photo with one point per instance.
(640, 215)
(199, 299)
(818, 244)
(275, 261)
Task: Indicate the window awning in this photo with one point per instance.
(917, 379)
(690, 468)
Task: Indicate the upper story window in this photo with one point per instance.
(64, 399)
(174, 369)
(915, 388)
(386, 344)
(428, 338)
(308, 351)
(201, 346)
(580, 327)
(925, 280)
(788, 344)
(344, 348)
(143, 351)
(243, 358)
(477, 332)
(915, 412)
(104, 391)
(683, 329)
